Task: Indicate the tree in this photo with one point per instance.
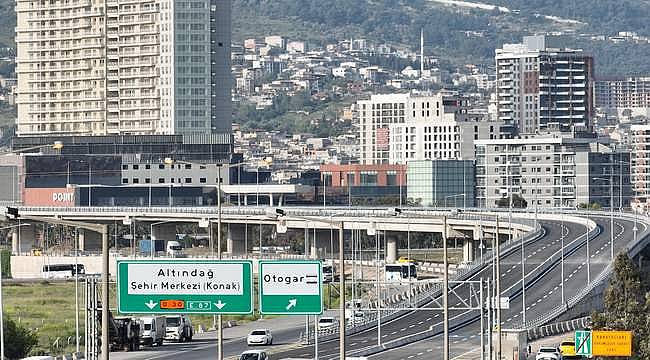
(22, 340)
(627, 306)
(517, 202)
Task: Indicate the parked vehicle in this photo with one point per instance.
(178, 328)
(174, 249)
(153, 330)
(260, 337)
(326, 322)
(254, 355)
(548, 353)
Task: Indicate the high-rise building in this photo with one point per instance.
(113, 67)
(542, 89)
(397, 128)
(641, 165)
(552, 171)
(623, 96)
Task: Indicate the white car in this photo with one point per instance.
(326, 322)
(548, 353)
(260, 337)
(254, 355)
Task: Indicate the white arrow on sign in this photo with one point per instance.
(151, 304)
(292, 303)
(220, 304)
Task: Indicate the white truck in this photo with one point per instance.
(179, 328)
(153, 330)
(174, 249)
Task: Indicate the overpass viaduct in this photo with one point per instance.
(470, 228)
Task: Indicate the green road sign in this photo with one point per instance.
(291, 287)
(583, 343)
(184, 286)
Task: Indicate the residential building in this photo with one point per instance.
(542, 89)
(396, 128)
(641, 165)
(441, 183)
(552, 171)
(623, 97)
(111, 68)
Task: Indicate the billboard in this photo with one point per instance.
(63, 197)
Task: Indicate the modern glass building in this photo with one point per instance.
(441, 183)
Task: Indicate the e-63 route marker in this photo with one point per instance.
(185, 286)
(291, 287)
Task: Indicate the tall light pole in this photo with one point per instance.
(445, 290)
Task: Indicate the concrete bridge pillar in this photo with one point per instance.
(23, 239)
(468, 250)
(89, 240)
(236, 241)
(166, 231)
(391, 248)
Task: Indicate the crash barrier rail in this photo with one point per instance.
(559, 328)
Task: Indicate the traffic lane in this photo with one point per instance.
(417, 322)
(546, 296)
(461, 346)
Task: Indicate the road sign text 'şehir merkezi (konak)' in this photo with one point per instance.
(192, 286)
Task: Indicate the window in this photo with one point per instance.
(136, 180)
(161, 166)
(188, 166)
(161, 180)
(147, 167)
(125, 167)
(188, 180)
(136, 167)
(202, 180)
(147, 181)
(125, 181)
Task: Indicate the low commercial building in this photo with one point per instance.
(552, 171)
(364, 184)
(441, 183)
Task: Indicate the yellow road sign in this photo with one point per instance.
(611, 343)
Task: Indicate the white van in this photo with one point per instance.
(174, 249)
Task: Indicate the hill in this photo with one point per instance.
(458, 31)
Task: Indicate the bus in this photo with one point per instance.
(400, 272)
(62, 271)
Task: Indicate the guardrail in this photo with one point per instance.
(559, 328)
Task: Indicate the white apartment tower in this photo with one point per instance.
(398, 128)
(541, 89)
(113, 67)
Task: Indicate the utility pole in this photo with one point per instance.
(445, 289)
(219, 318)
(342, 294)
(497, 294)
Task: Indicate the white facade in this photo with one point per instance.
(641, 166)
(396, 128)
(146, 67)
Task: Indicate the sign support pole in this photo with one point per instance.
(105, 305)
(219, 317)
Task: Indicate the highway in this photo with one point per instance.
(542, 294)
